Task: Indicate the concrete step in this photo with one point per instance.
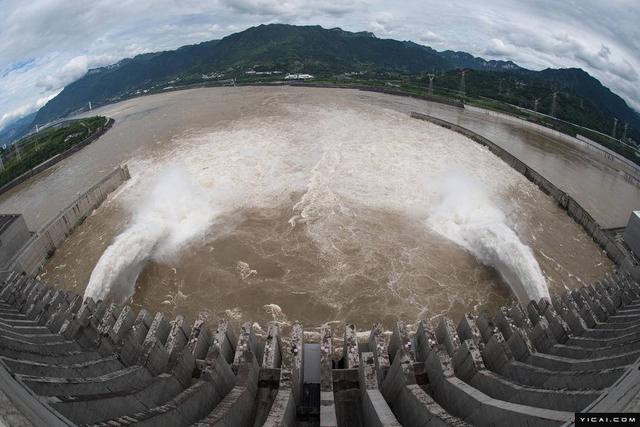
(559, 363)
(475, 407)
(465, 401)
(11, 313)
(27, 330)
(576, 352)
(33, 338)
(196, 401)
(600, 331)
(59, 347)
(183, 410)
(536, 376)
(602, 342)
(121, 380)
(628, 311)
(237, 405)
(633, 306)
(624, 318)
(19, 322)
(91, 368)
(96, 408)
(43, 357)
(398, 399)
(501, 388)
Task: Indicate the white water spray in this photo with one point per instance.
(339, 164)
(175, 211)
(466, 215)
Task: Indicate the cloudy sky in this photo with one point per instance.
(46, 44)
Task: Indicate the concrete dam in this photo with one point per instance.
(70, 356)
(68, 361)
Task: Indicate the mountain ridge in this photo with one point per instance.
(320, 51)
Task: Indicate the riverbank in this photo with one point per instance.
(57, 158)
(604, 239)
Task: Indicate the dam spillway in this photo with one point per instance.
(95, 363)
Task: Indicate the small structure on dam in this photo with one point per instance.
(14, 234)
(632, 233)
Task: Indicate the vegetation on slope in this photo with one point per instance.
(334, 55)
(35, 149)
(287, 48)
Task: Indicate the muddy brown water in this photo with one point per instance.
(320, 200)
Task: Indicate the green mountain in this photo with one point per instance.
(277, 47)
(327, 53)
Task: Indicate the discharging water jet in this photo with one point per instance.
(466, 215)
(175, 211)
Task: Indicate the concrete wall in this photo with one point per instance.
(55, 159)
(44, 243)
(629, 170)
(632, 233)
(12, 239)
(575, 211)
(386, 90)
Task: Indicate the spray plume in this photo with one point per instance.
(466, 215)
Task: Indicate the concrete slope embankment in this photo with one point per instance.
(45, 241)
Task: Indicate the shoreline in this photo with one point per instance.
(57, 158)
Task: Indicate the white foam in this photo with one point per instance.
(466, 215)
(339, 159)
(174, 212)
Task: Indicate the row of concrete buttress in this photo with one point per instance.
(96, 363)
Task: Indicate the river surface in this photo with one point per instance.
(320, 205)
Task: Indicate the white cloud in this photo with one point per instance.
(386, 24)
(431, 38)
(499, 48)
(293, 8)
(72, 71)
(24, 110)
(45, 44)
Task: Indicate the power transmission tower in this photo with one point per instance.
(431, 77)
(554, 103)
(535, 104)
(463, 88)
(624, 133)
(615, 126)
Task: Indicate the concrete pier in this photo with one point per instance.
(65, 361)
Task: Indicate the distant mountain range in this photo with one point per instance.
(17, 129)
(322, 52)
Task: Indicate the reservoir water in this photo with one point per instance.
(321, 205)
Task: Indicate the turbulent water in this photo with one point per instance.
(315, 206)
(173, 211)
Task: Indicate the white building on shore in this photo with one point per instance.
(298, 77)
